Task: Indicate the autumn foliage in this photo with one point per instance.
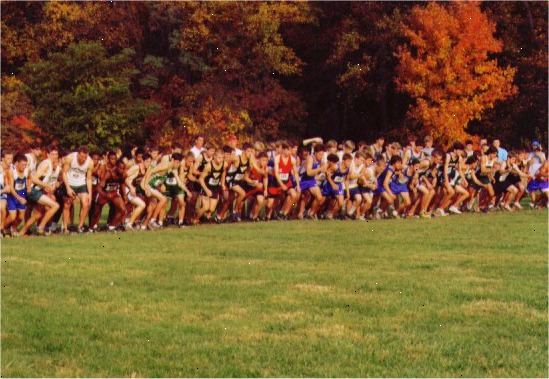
(267, 70)
(447, 68)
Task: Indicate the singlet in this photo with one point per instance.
(489, 164)
(213, 179)
(136, 182)
(77, 172)
(171, 181)
(203, 162)
(353, 183)
(241, 169)
(284, 169)
(20, 182)
(339, 176)
(383, 175)
(2, 178)
(229, 176)
(113, 184)
(51, 176)
(303, 175)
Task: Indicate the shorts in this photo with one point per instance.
(355, 191)
(328, 191)
(216, 192)
(366, 190)
(35, 195)
(174, 191)
(194, 186)
(307, 184)
(77, 190)
(398, 188)
(4, 196)
(484, 179)
(14, 204)
(277, 191)
(537, 185)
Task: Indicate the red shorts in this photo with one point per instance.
(277, 191)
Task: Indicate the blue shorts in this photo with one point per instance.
(398, 188)
(328, 191)
(366, 190)
(14, 204)
(355, 191)
(537, 185)
(307, 184)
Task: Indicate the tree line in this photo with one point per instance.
(118, 73)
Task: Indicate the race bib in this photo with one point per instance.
(20, 186)
(338, 179)
(94, 180)
(76, 175)
(171, 181)
(284, 176)
(111, 187)
(238, 177)
(213, 181)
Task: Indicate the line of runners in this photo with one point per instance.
(148, 188)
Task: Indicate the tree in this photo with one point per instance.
(83, 96)
(18, 131)
(447, 69)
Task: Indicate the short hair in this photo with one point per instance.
(146, 156)
(458, 146)
(367, 155)
(285, 145)
(177, 156)
(83, 149)
(20, 157)
(347, 156)
(319, 148)
(468, 142)
(110, 153)
(428, 139)
(395, 159)
(492, 150)
(247, 145)
(227, 149)
(471, 159)
(333, 158)
(349, 144)
(262, 155)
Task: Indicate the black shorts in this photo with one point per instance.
(216, 192)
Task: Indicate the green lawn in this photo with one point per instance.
(454, 296)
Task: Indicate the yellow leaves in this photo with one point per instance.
(216, 121)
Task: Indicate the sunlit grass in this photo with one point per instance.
(447, 297)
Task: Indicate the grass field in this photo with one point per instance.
(457, 296)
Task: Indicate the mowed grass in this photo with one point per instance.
(455, 296)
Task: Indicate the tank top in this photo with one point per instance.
(304, 176)
(229, 176)
(20, 182)
(339, 176)
(77, 172)
(113, 184)
(203, 162)
(241, 169)
(2, 179)
(284, 169)
(353, 183)
(213, 179)
(51, 176)
(170, 178)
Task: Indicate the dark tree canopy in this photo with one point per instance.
(114, 73)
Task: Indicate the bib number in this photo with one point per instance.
(284, 177)
(213, 182)
(171, 181)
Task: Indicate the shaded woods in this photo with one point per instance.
(114, 73)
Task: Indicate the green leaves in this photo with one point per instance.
(82, 96)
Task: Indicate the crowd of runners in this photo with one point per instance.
(148, 188)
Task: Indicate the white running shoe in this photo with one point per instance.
(517, 205)
(453, 209)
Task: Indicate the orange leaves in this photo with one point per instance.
(445, 67)
(216, 121)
